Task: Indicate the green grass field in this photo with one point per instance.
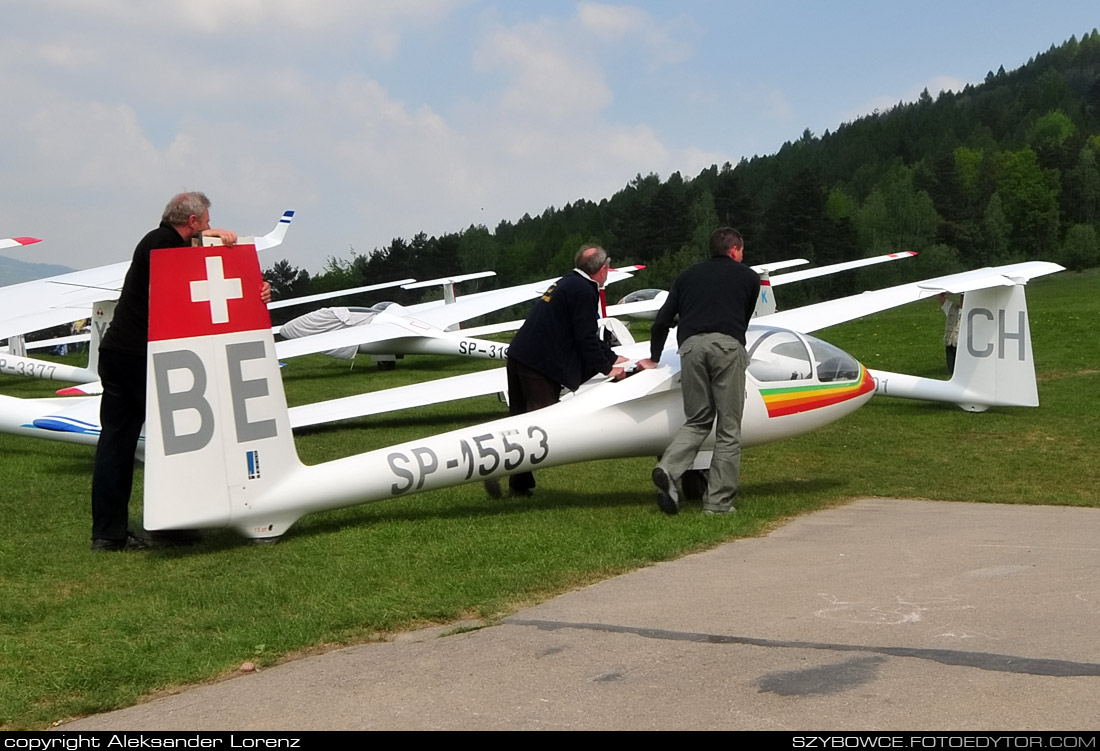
(82, 633)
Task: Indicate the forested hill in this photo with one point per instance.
(14, 272)
(1003, 171)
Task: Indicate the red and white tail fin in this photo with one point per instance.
(217, 431)
(765, 303)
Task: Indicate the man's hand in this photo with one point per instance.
(617, 374)
(226, 236)
(265, 292)
(645, 364)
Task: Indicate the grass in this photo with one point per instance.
(83, 633)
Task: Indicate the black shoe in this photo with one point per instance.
(176, 538)
(668, 498)
(492, 488)
(521, 492)
(132, 542)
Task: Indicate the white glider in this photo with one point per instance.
(426, 328)
(220, 453)
(43, 303)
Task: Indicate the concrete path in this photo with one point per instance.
(880, 614)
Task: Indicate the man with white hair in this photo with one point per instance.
(122, 370)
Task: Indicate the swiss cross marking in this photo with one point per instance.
(216, 290)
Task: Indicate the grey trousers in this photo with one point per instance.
(712, 373)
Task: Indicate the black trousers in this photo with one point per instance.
(121, 416)
(528, 390)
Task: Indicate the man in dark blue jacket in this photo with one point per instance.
(714, 300)
(559, 346)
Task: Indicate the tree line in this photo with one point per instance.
(1002, 171)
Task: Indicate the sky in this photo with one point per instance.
(377, 119)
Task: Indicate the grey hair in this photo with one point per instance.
(183, 206)
(590, 259)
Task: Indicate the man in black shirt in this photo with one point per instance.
(122, 372)
(714, 300)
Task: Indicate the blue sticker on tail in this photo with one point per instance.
(253, 458)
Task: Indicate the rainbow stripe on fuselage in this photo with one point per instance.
(790, 400)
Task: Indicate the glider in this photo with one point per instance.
(427, 328)
(53, 301)
(220, 453)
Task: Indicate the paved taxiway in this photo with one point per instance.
(879, 614)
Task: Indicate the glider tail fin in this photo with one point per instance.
(275, 236)
(765, 303)
(994, 364)
(994, 360)
(217, 429)
(102, 315)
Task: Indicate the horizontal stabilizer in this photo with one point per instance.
(821, 315)
(1000, 276)
(449, 280)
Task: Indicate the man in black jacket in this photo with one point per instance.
(122, 371)
(559, 346)
(714, 300)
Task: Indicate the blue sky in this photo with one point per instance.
(376, 120)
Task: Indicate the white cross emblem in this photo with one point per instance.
(216, 290)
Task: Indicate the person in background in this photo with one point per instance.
(952, 310)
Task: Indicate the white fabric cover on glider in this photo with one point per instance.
(329, 319)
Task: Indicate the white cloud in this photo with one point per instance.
(612, 21)
(380, 22)
(360, 161)
(72, 55)
(886, 102)
(777, 107)
(940, 84)
(549, 76)
(617, 23)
